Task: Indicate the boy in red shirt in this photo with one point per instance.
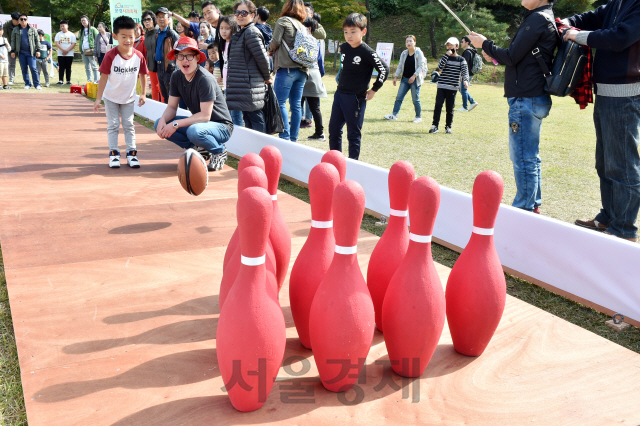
(119, 71)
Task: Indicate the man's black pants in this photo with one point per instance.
(347, 109)
(164, 80)
(443, 95)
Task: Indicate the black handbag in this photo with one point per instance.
(271, 110)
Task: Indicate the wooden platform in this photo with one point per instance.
(113, 281)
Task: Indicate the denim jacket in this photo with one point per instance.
(421, 65)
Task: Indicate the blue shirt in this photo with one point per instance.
(24, 40)
(195, 29)
(162, 34)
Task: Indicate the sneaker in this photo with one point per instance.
(10, 82)
(473, 105)
(217, 161)
(417, 120)
(206, 155)
(537, 210)
(447, 130)
(38, 87)
(592, 224)
(47, 85)
(7, 87)
(633, 240)
(433, 129)
(27, 87)
(316, 137)
(114, 159)
(391, 117)
(304, 124)
(462, 110)
(68, 83)
(60, 83)
(132, 159)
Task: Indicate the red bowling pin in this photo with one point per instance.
(251, 334)
(248, 160)
(249, 177)
(279, 235)
(476, 289)
(336, 158)
(392, 246)
(317, 253)
(414, 308)
(341, 322)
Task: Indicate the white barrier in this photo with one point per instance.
(601, 270)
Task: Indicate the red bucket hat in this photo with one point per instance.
(185, 43)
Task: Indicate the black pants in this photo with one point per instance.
(164, 80)
(449, 96)
(314, 107)
(64, 65)
(254, 120)
(347, 108)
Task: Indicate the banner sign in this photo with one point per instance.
(385, 52)
(39, 23)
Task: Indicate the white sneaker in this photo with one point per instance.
(390, 117)
(114, 159)
(38, 87)
(434, 129)
(462, 110)
(132, 159)
(473, 105)
(27, 87)
(417, 120)
(10, 83)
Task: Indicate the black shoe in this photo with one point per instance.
(206, 155)
(316, 137)
(60, 83)
(68, 83)
(217, 161)
(7, 87)
(433, 129)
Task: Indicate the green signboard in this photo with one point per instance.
(130, 8)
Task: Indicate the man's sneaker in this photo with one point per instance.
(47, 85)
(132, 159)
(473, 105)
(462, 109)
(206, 155)
(316, 137)
(217, 161)
(68, 83)
(433, 129)
(633, 240)
(27, 87)
(447, 130)
(114, 159)
(10, 82)
(60, 83)
(592, 224)
(390, 117)
(38, 87)
(304, 124)
(417, 120)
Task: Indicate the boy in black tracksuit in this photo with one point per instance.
(350, 100)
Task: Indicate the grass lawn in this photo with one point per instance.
(479, 142)
(78, 76)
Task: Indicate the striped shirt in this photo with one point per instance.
(452, 68)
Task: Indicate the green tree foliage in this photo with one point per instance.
(72, 10)
(334, 11)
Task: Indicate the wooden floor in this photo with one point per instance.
(113, 281)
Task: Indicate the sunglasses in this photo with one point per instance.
(243, 13)
(147, 19)
(189, 58)
(23, 19)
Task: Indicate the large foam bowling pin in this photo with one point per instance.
(392, 246)
(414, 308)
(341, 322)
(339, 161)
(247, 160)
(476, 289)
(317, 253)
(279, 235)
(251, 334)
(249, 177)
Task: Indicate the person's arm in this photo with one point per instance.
(400, 69)
(185, 22)
(521, 46)
(278, 33)
(442, 63)
(203, 116)
(50, 53)
(616, 39)
(589, 21)
(420, 63)
(38, 45)
(465, 73)
(143, 89)
(320, 33)
(13, 42)
(383, 73)
(103, 83)
(253, 43)
(320, 64)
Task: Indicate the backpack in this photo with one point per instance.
(567, 66)
(476, 63)
(305, 48)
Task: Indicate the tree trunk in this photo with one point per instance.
(1, 11)
(193, 5)
(432, 36)
(366, 37)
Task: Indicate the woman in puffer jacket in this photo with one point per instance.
(248, 71)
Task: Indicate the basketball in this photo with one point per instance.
(192, 172)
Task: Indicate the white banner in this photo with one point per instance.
(385, 52)
(39, 23)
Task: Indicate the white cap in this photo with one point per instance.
(453, 40)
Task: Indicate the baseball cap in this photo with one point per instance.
(453, 40)
(162, 10)
(185, 43)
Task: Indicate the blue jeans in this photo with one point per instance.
(28, 63)
(525, 120)
(236, 116)
(288, 85)
(90, 64)
(210, 135)
(415, 96)
(254, 120)
(465, 95)
(617, 122)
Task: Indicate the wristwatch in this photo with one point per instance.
(175, 125)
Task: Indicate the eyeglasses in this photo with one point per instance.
(147, 19)
(243, 13)
(23, 19)
(189, 58)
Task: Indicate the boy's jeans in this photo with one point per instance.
(415, 96)
(525, 120)
(617, 122)
(42, 64)
(465, 95)
(210, 135)
(289, 85)
(114, 112)
(90, 64)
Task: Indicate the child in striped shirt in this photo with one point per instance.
(453, 69)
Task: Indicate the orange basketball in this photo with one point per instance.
(192, 172)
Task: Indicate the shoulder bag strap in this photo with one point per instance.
(536, 52)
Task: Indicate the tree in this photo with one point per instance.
(334, 11)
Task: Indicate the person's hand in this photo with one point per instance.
(13, 55)
(570, 35)
(160, 128)
(466, 84)
(412, 79)
(96, 106)
(476, 39)
(486, 56)
(448, 52)
(370, 95)
(2, 57)
(270, 81)
(395, 80)
(203, 46)
(37, 54)
(142, 100)
(168, 131)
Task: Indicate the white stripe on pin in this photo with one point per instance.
(399, 213)
(252, 261)
(420, 238)
(274, 197)
(321, 224)
(482, 231)
(346, 250)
